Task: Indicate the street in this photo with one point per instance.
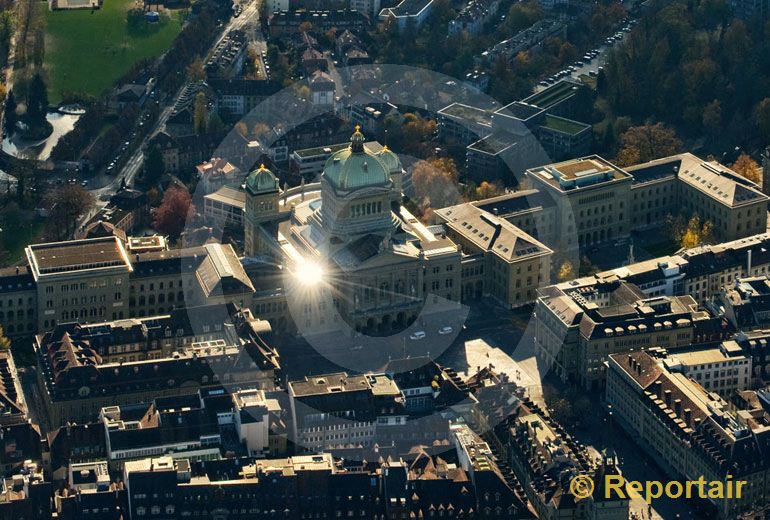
(106, 185)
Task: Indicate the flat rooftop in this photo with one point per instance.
(565, 126)
(700, 357)
(554, 94)
(469, 113)
(579, 173)
(329, 384)
(77, 255)
(495, 143)
(520, 110)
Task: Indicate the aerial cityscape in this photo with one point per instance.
(385, 259)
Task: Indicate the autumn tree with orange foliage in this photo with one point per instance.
(435, 184)
(487, 190)
(176, 207)
(747, 167)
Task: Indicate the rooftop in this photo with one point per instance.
(228, 195)
(554, 94)
(701, 356)
(329, 384)
(469, 113)
(716, 181)
(515, 202)
(579, 173)
(491, 233)
(77, 255)
(565, 126)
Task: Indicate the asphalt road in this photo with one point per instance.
(247, 21)
(589, 65)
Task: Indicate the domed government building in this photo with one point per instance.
(353, 254)
(342, 254)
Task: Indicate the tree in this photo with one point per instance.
(696, 233)
(10, 113)
(37, 99)
(747, 167)
(176, 207)
(196, 70)
(242, 129)
(487, 190)
(415, 132)
(712, 118)
(646, 143)
(154, 167)
(763, 118)
(68, 204)
(215, 123)
(566, 271)
(200, 114)
(435, 183)
(522, 15)
(5, 343)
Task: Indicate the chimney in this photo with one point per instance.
(667, 397)
(678, 407)
(688, 416)
(659, 389)
(630, 360)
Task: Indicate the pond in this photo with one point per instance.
(62, 123)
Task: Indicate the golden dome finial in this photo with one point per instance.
(385, 148)
(357, 140)
(262, 166)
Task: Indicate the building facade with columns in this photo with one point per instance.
(351, 252)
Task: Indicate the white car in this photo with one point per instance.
(357, 347)
(415, 336)
(445, 330)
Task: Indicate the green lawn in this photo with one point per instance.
(13, 241)
(87, 51)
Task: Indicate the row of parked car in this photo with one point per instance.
(589, 56)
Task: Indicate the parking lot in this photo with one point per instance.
(591, 62)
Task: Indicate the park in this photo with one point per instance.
(88, 50)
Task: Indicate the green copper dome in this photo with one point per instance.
(389, 159)
(261, 180)
(354, 167)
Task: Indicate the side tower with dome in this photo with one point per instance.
(262, 192)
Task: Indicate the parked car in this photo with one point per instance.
(415, 336)
(445, 330)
